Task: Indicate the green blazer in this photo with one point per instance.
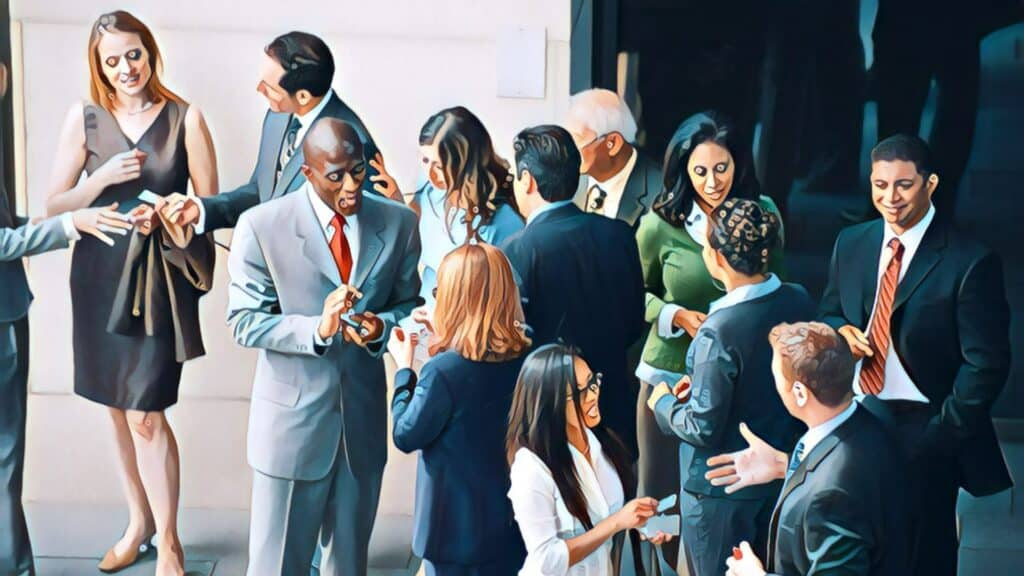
(674, 273)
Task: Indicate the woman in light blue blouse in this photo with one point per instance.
(468, 191)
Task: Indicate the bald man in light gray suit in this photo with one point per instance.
(318, 420)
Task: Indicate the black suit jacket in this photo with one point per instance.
(950, 329)
(457, 415)
(222, 210)
(581, 283)
(844, 509)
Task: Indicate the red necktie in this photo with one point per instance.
(339, 248)
(872, 371)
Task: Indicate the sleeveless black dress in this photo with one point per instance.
(135, 304)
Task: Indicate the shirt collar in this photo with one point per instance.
(324, 213)
(746, 293)
(911, 239)
(617, 183)
(309, 117)
(547, 208)
(818, 433)
(696, 224)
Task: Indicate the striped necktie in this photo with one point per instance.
(795, 459)
(872, 371)
(289, 145)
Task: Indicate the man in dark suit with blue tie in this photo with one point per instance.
(924, 309)
(579, 273)
(843, 507)
(295, 78)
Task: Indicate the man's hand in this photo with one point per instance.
(101, 220)
(859, 344)
(682, 389)
(402, 347)
(689, 320)
(181, 210)
(758, 464)
(336, 304)
(659, 391)
(746, 565)
(371, 329)
(383, 183)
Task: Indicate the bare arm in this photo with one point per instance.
(202, 158)
(67, 190)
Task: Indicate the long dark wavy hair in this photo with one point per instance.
(537, 422)
(473, 171)
(676, 199)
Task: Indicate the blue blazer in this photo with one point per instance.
(456, 415)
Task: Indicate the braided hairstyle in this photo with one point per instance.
(745, 234)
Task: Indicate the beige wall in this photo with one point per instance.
(398, 61)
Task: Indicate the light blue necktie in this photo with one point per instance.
(794, 460)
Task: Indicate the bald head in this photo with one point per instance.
(334, 164)
(330, 139)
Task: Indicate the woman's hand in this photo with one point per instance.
(121, 168)
(145, 219)
(425, 316)
(689, 320)
(635, 513)
(384, 183)
(402, 347)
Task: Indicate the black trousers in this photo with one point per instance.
(934, 488)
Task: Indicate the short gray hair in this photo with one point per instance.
(603, 112)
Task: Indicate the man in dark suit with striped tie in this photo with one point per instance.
(924, 310)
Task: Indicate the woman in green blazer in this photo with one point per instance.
(705, 163)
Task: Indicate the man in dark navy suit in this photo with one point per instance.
(579, 273)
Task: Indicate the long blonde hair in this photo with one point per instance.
(478, 313)
(121, 21)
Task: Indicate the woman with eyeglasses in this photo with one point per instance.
(571, 476)
(729, 383)
(455, 411)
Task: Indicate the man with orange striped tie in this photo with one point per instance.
(923, 307)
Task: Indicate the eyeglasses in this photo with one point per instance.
(593, 385)
(594, 141)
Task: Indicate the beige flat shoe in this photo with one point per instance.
(113, 563)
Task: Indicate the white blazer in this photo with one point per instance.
(546, 523)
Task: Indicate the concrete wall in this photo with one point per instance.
(398, 61)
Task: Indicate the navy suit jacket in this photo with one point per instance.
(844, 509)
(950, 330)
(222, 210)
(457, 415)
(581, 283)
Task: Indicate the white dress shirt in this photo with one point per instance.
(815, 435)
(545, 521)
(325, 215)
(898, 385)
(613, 187)
(305, 120)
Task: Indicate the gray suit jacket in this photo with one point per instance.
(26, 240)
(642, 188)
(303, 396)
(223, 210)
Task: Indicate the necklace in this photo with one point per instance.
(144, 107)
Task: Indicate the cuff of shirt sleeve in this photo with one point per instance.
(665, 327)
(200, 226)
(320, 341)
(68, 222)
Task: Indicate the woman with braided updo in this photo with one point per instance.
(706, 163)
(728, 381)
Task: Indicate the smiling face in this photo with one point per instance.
(269, 86)
(589, 386)
(901, 195)
(124, 62)
(711, 169)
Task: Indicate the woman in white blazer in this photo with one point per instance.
(570, 475)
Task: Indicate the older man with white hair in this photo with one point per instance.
(621, 183)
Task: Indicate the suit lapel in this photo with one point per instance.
(371, 241)
(291, 171)
(637, 188)
(314, 243)
(927, 256)
(274, 134)
(866, 270)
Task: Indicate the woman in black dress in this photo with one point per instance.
(135, 305)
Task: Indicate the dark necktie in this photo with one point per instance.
(872, 371)
(339, 248)
(595, 199)
(289, 145)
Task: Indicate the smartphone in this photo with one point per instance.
(347, 319)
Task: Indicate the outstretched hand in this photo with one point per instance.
(101, 221)
(759, 463)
